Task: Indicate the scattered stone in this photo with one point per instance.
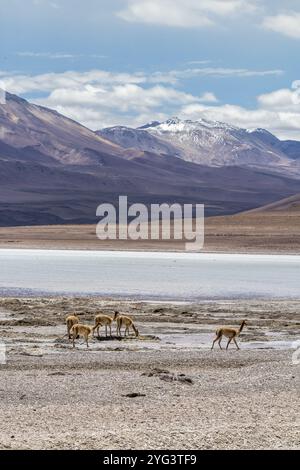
(155, 372)
(56, 373)
(148, 338)
(61, 340)
(134, 395)
(185, 379)
(25, 353)
(22, 396)
(167, 376)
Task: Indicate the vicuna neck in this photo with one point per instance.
(242, 326)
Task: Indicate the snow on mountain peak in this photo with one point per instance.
(176, 124)
(206, 142)
(217, 143)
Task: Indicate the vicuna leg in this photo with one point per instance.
(236, 343)
(87, 340)
(218, 337)
(219, 342)
(228, 342)
(106, 331)
(110, 330)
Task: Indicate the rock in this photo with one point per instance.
(167, 376)
(56, 373)
(134, 395)
(185, 379)
(155, 372)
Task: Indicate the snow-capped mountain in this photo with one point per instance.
(138, 139)
(53, 170)
(219, 144)
(210, 143)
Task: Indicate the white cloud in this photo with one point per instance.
(221, 72)
(46, 55)
(58, 55)
(54, 5)
(72, 80)
(125, 98)
(198, 62)
(287, 24)
(51, 4)
(280, 100)
(183, 13)
(278, 112)
(100, 98)
(174, 76)
(68, 80)
(208, 97)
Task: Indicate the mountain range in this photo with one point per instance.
(211, 143)
(55, 171)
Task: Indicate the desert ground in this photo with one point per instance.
(274, 231)
(165, 389)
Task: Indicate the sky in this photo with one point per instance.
(128, 62)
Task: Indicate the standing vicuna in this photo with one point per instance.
(102, 320)
(70, 321)
(122, 320)
(81, 330)
(230, 333)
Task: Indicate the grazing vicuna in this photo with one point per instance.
(81, 330)
(102, 320)
(122, 320)
(71, 320)
(231, 333)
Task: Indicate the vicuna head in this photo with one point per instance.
(116, 315)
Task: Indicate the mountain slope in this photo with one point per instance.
(211, 143)
(289, 204)
(33, 128)
(291, 148)
(53, 170)
(138, 139)
(218, 144)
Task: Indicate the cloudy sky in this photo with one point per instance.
(109, 62)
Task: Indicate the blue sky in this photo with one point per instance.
(109, 62)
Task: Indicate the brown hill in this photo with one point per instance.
(289, 204)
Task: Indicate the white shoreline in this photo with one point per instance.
(150, 254)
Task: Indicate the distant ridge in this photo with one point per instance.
(211, 143)
(289, 204)
(55, 171)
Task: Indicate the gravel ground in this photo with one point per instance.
(132, 395)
